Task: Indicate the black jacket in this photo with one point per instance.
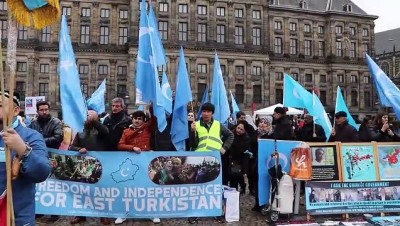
(116, 123)
(307, 131)
(345, 133)
(283, 129)
(93, 138)
(52, 130)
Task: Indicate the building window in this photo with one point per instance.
(201, 32)
(183, 8)
(340, 78)
(45, 34)
(256, 14)
(338, 49)
(367, 79)
(367, 99)
(257, 94)
(339, 30)
(21, 66)
(44, 68)
(103, 70)
(278, 95)
(322, 97)
(4, 28)
(220, 33)
(104, 35)
(123, 14)
(256, 36)
(238, 35)
(43, 89)
(20, 88)
(239, 13)
(308, 78)
(121, 91)
(365, 32)
(123, 35)
(83, 69)
(295, 76)
(202, 68)
(85, 89)
(3, 5)
(239, 93)
(202, 10)
(163, 7)
(278, 45)
(257, 71)
(321, 48)
(223, 69)
(105, 13)
(354, 98)
(321, 30)
(66, 11)
(322, 78)
(85, 34)
(293, 26)
(147, 5)
(353, 79)
(239, 70)
(22, 33)
(220, 11)
(163, 29)
(353, 31)
(307, 47)
(278, 25)
(85, 12)
(353, 49)
(201, 88)
(279, 76)
(365, 49)
(183, 31)
(293, 46)
(307, 28)
(122, 70)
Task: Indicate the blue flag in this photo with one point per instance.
(203, 101)
(342, 106)
(389, 94)
(144, 69)
(96, 101)
(317, 110)
(167, 93)
(72, 100)
(34, 4)
(218, 96)
(235, 107)
(294, 94)
(180, 127)
(156, 43)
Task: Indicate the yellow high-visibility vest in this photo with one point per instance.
(209, 140)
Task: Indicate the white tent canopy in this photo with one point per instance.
(270, 110)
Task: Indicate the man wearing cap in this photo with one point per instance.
(283, 127)
(29, 147)
(310, 132)
(210, 135)
(343, 131)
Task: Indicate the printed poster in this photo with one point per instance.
(388, 159)
(325, 162)
(358, 162)
(30, 104)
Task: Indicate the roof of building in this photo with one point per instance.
(385, 40)
(323, 5)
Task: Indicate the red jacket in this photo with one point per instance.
(136, 137)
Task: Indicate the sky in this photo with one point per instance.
(387, 10)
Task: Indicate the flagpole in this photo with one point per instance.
(314, 134)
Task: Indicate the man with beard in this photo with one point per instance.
(92, 138)
(52, 130)
(116, 123)
(29, 148)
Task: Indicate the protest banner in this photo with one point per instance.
(352, 197)
(359, 162)
(30, 104)
(130, 185)
(388, 160)
(325, 162)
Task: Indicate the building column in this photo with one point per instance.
(247, 85)
(75, 22)
(112, 87)
(265, 81)
(92, 77)
(54, 85)
(33, 83)
(131, 77)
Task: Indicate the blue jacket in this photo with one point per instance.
(35, 169)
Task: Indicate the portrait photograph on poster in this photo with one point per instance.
(388, 160)
(359, 162)
(325, 164)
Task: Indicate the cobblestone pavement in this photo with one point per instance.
(247, 217)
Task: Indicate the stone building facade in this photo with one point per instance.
(321, 43)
